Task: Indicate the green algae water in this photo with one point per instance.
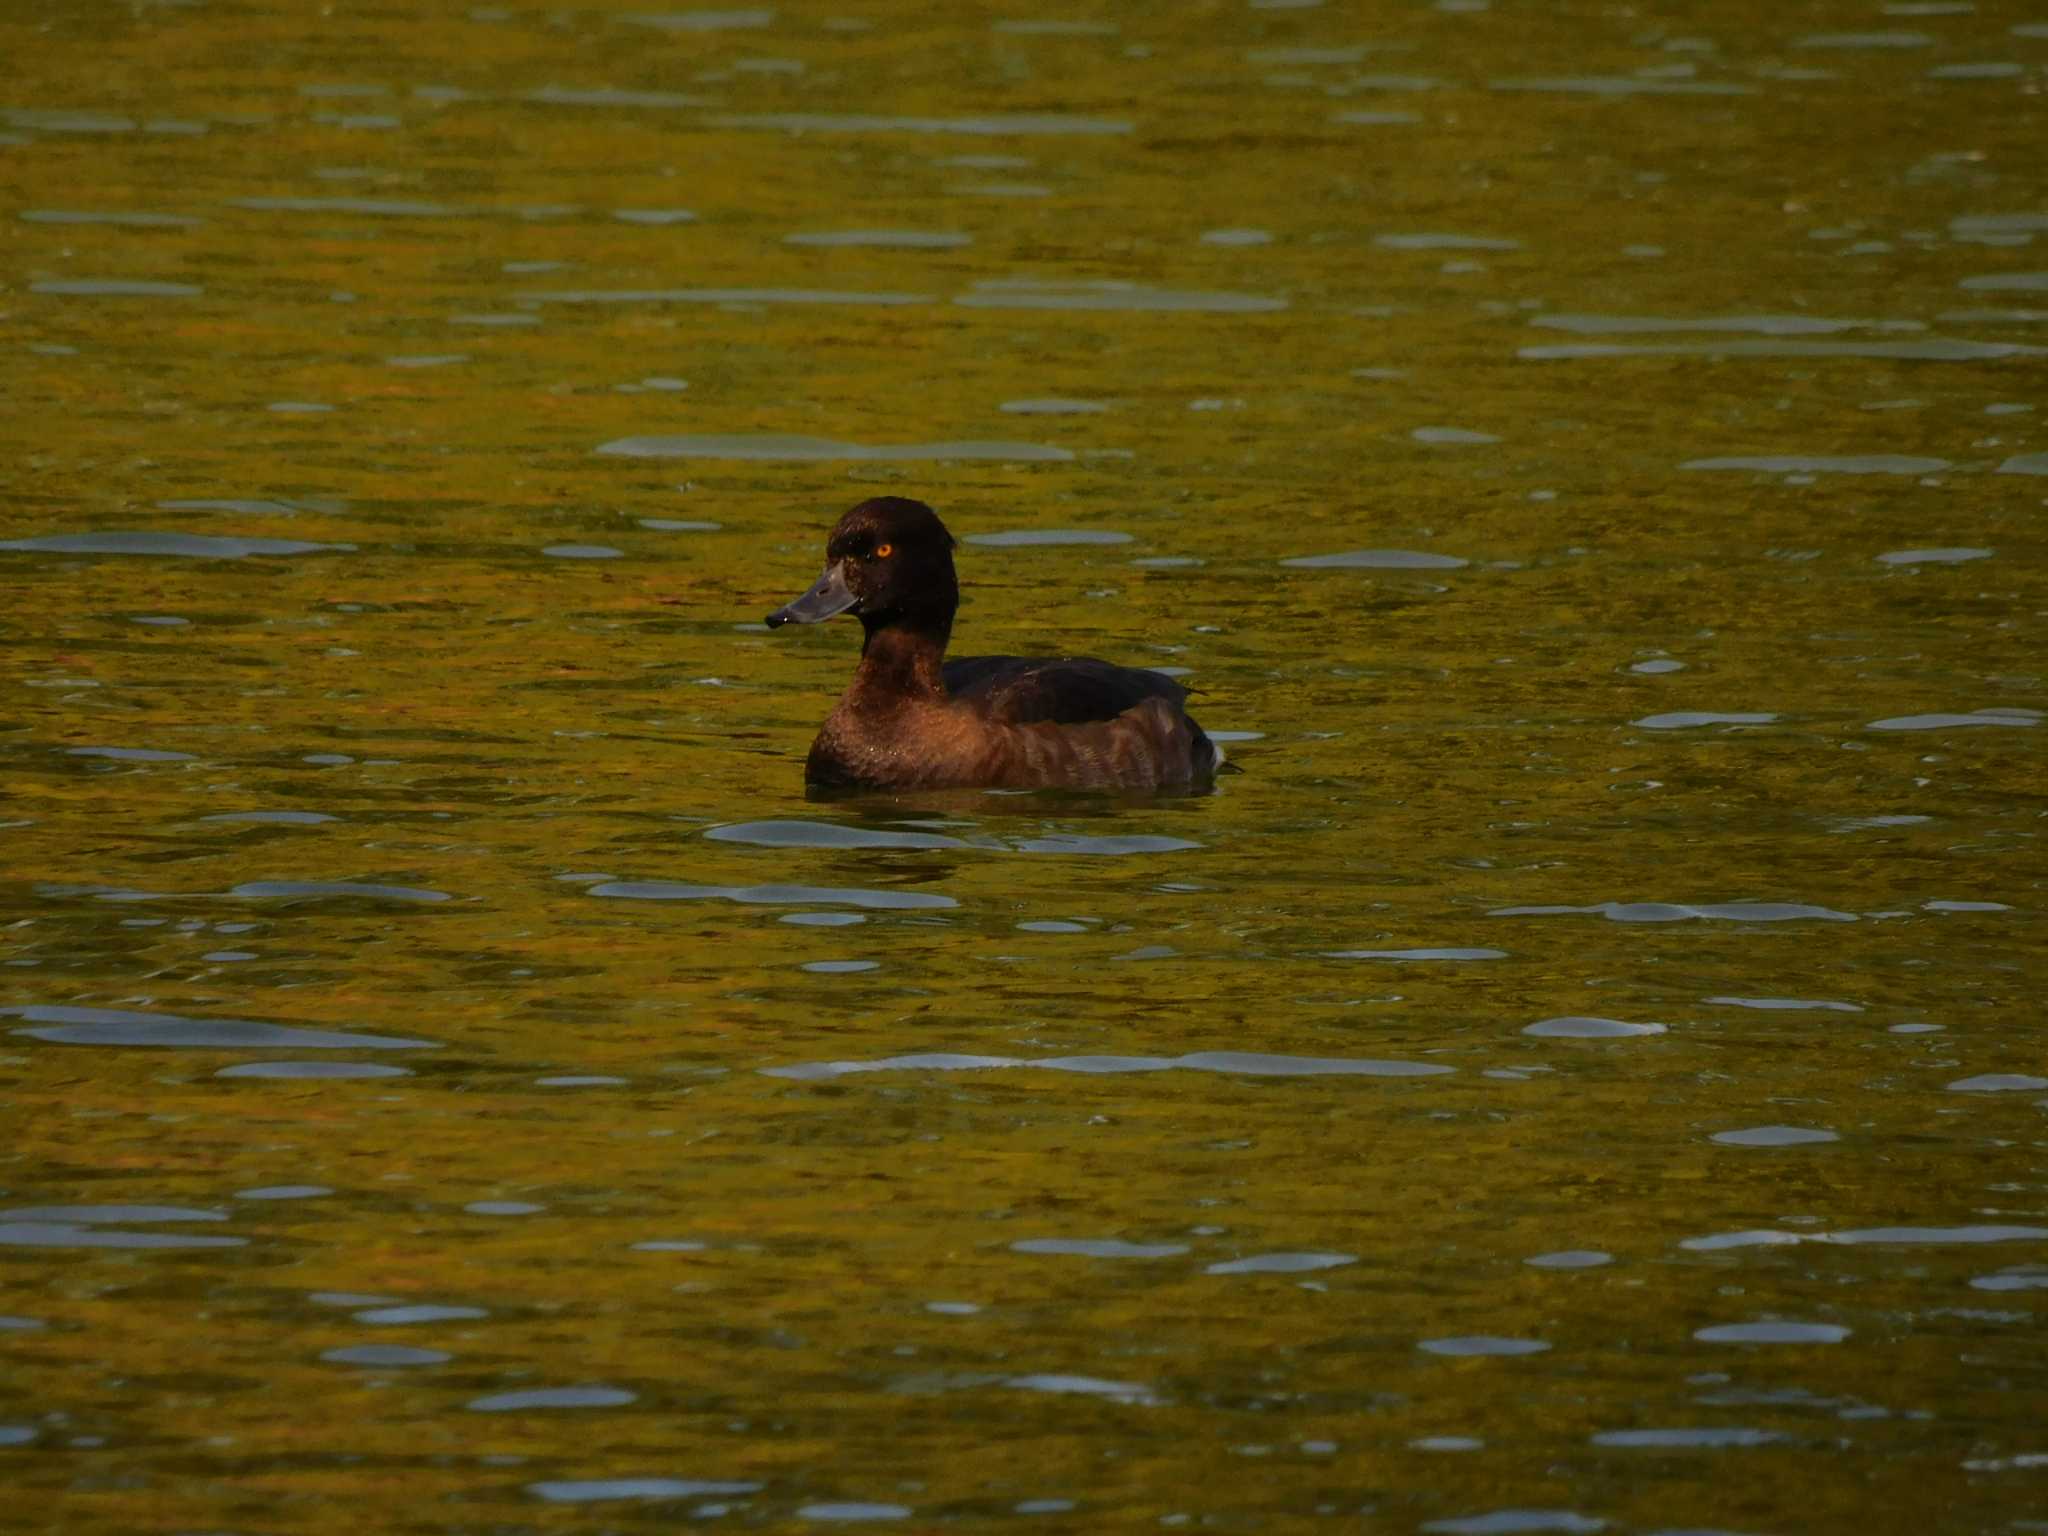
(1586, 1072)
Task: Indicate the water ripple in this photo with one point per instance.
(1939, 722)
(1281, 1264)
(64, 1025)
(1108, 294)
(1688, 719)
(1377, 560)
(1768, 1237)
(1677, 912)
(593, 1490)
(1019, 124)
(719, 296)
(189, 545)
(553, 1397)
(791, 448)
(773, 895)
(1247, 1063)
(1098, 1248)
(1934, 349)
(1827, 464)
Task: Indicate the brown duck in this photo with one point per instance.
(913, 720)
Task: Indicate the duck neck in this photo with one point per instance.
(902, 661)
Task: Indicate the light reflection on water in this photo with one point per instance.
(1590, 475)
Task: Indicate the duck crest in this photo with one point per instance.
(911, 719)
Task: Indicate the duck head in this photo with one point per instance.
(889, 562)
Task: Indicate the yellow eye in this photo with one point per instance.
(883, 551)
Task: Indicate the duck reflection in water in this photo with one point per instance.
(910, 719)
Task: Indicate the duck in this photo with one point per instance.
(911, 719)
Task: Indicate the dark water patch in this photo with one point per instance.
(1109, 294)
(1003, 126)
(789, 448)
(884, 239)
(1786, 1004)
(1241, 1063)
(1678, 912)
(1827, 464)
(1438, 242)
(274, 818)
(1691, 719)
(1084, 1386)
(742, 296)
(1619, 85)
(1513, 1522)
(126, 219)
(115, 288)
(1113, 846)
(1453, 436)
(1934, 349)
(1772, 1332)
(827, 835)
(88, 1215)
(1766, 325)
(66, 1025)
(334, 890)
(636, 1489)
(382, 1356)
(1865, 40)
(1414, 954)
(2020, 718)
(610, 96)
(1954, 556)
(364, 207)
(1903, 1237)
(553, 1397)
(1055, 28)
(2007, 282)
(1378, 560)
(1570, 1258)
(58, 1234)
(1098, 1248)
(132, 754)
(1053, 406)
(774, 895)
(1471, 1345)
(312, 1071)
(189, 546)
(843, 1510)
(1703, 1438)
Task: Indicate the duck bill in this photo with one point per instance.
(830, 595)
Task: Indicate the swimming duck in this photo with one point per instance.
(912, 720)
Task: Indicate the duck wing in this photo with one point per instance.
(1064, 690)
